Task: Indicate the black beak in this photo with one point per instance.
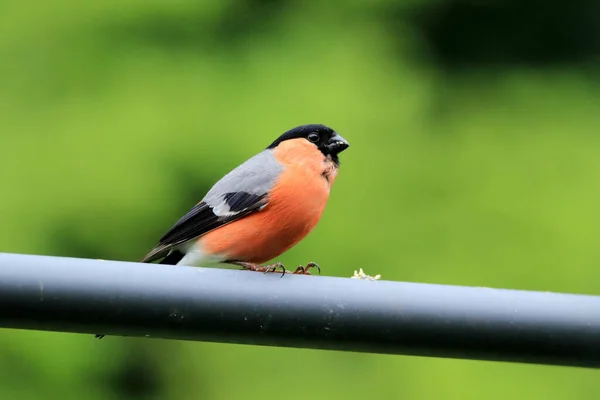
(337, 144)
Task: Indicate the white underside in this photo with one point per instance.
(194, 257)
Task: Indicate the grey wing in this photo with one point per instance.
(239, 193)
(255, 176)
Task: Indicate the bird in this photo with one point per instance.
(260, 209)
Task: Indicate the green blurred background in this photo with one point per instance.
(475, 161)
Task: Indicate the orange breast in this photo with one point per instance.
(296, 203)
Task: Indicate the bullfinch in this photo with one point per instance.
(260, 209)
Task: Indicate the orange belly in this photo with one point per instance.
(295, 206)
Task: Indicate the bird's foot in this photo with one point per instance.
(305, 270)
(261, 268)
(99, 336)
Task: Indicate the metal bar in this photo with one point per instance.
(220, 305)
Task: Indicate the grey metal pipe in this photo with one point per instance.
(219, 305)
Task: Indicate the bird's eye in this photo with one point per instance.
(313, 137)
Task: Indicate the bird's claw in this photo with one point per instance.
(301, 270)
(273, 268)
(260, 268)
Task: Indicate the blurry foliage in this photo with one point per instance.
(467, 34)
(190, 30)
(116, 117)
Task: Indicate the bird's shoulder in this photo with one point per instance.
(256, 176)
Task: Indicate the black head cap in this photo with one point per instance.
(325, 138)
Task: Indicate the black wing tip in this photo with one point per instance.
(156, 253)
(164, 251)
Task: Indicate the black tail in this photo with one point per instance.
(173, 258)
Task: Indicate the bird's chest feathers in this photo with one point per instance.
(300, 194)
(330, 171)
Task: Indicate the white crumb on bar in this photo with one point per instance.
(361, 275)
